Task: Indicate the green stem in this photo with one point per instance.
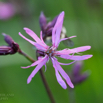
(46, 86)
(42, 77)
(25, 55)
(71, 95)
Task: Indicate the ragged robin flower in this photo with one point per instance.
(50, 52)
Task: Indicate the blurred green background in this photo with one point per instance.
(83, 18)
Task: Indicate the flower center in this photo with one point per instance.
(50, 52)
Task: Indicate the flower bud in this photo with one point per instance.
(81, 78)
(48, 27)
(12, 47)
(8, 39)
(42, 21)
(76, 75)
(77, 68)
(4, 50)
(52, 23)
(15, 48)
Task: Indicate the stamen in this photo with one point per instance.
(50, 52)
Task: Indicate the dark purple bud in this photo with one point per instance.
(81, 78)
(77, 68)
(8, 39)
(11, 49)
(46, 27)
(42, 21)
(15, 48)
(76, 75)
(4, 50)
(52, 23)
(49, 32)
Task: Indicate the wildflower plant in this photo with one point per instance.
(52, 29)
(51, 52)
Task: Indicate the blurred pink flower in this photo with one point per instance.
(6, 10)
(51, 51)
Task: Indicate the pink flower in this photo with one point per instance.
(6, 10)
(51, 53)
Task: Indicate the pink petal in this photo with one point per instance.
(38, 46)
(61, 52)
(66, 63)
(76, 57)
(57, 30)
(32, 34)
(35, 37)
(75, 50)
(79, 49)
(38, 67)
(30, 41)
(67, 38)
(62, 72)
(45, 67)
(59, 79)
(33, 64)
(41, 37)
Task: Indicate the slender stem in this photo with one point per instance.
(46, 86)
(42, 77)
(45, 83)
(25, 55)
(71, 95)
